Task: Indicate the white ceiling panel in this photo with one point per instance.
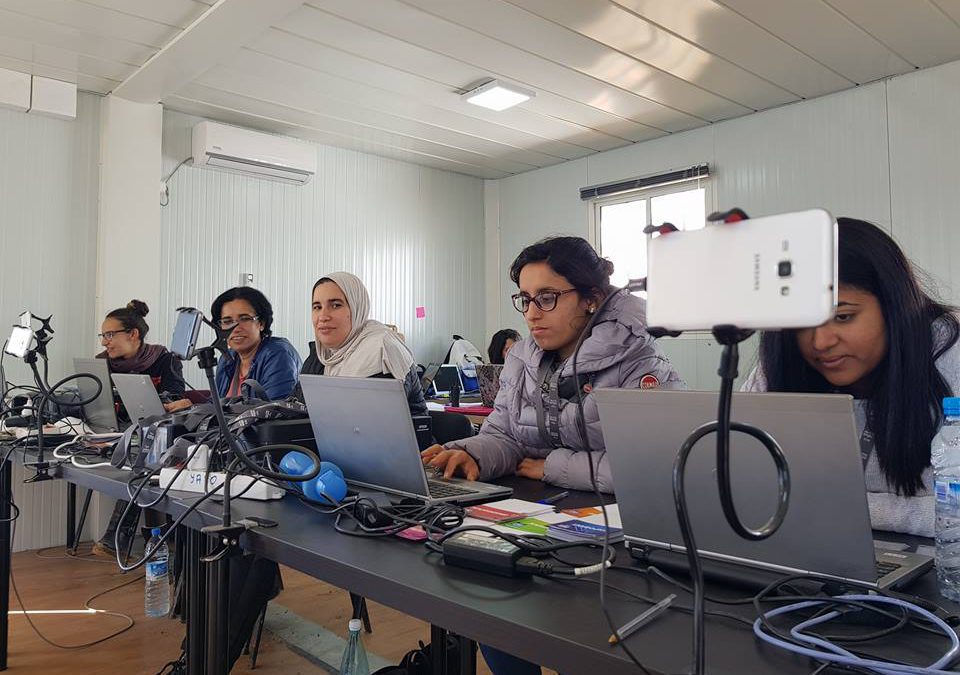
(388, 79)
(897, 23)
(527, 68)
(711, 25)
(298, 87)
(821, 32)
(32, 29)
(262, 120)
(100, 85)
(324, 113)
(57, 57)
(385, 76)
(95, 20)
(949, 7)
(334, 45)
(178, 13)
(417, 108)
(514, 26)
(634, 38)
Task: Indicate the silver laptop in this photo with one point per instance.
(101, 413)
(139, 396)
(363, 425)
(827, 528)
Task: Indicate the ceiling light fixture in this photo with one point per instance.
(497, 95)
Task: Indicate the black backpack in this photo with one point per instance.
(418, 661)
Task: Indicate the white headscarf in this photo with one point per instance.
(370, 348)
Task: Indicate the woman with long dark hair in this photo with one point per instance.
(893, 348)
(500, 345)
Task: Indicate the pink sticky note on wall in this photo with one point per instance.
(421, 312)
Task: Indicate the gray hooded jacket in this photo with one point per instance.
(618, 353)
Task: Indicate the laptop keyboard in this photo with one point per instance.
(442, 488)
(885, 568)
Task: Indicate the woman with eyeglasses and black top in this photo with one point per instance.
(255, 353)
(122, 336)
(532, 431)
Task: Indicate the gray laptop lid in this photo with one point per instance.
(363, 426)
(139, 396)
(101, 415)
(827, 527)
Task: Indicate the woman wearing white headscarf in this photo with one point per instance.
(350, 343)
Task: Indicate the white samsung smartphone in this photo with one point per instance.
(19, 342)
(185, 333)
(761, 274)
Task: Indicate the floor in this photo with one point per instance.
(51, 580)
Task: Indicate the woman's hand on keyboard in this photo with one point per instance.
(450, 462)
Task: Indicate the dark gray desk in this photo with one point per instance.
(556, 623)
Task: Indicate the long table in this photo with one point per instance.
(557, 623)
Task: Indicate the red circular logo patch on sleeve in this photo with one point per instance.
(649, 381)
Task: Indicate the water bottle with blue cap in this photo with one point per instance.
(945, 460)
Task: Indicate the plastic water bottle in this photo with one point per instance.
(354, 656)
(156, 592)
(945, 459)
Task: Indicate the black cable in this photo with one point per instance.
(585, 442)
(722, 427)
(86, 604)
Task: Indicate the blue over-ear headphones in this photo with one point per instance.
(328, 486)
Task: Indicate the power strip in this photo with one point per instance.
(203, 481)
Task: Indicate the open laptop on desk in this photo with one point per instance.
(363, 425)
(100, 414)
(139, 396)
(827, 528)
(429, 374)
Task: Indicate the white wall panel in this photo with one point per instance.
(48, 219)
(924, 147)
(829, 152)
(534, 205)
(414, 235)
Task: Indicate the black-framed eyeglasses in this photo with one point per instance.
(545, 300)
(110, 334)
(230, 322)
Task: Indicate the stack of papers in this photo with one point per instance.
(581, 530)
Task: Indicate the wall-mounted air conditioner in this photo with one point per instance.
(230, 148)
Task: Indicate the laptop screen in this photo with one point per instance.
(446, 376)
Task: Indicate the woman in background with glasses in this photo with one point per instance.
(123, 337)
(255, 353)
(532, 431)
(123, 334)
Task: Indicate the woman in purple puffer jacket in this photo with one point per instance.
(533, 429)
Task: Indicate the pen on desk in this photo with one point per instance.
(636, 624)
(553, 499)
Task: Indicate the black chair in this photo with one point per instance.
(450, 426)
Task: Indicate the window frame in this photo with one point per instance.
(597, 203)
